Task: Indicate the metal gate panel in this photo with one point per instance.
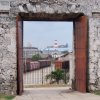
(19, 35)
(80, 37)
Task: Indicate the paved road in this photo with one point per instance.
(60, 93)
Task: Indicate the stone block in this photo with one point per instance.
(4, 5)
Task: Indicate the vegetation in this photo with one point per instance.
(36, 57)
(97, 92)
(6, 97)
(56, 75)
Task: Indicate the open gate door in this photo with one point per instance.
(19, 35)
(80, 36)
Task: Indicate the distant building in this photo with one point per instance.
(53, 53)
(28, 52)
(56, 50)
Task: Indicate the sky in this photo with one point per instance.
(43, 34)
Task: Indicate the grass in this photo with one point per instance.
(6, 97)
(97, 92)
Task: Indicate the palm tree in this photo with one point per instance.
(56, 75)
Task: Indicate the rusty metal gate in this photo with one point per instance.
(80, 36)
(35, 73)
(37, 76)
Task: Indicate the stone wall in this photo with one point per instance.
(7, 54)
(8, 12)
(94, 53)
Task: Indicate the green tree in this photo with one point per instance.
(56, 75)
(36, 57)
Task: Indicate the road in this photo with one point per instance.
(60, 93)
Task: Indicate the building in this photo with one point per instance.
(56, 50)
(28, 52)
(53, 53)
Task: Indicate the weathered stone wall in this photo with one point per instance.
(8, 13)
(94, 53)
(7, 54)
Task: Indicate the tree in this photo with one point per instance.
(56, 75)
(36, 57)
